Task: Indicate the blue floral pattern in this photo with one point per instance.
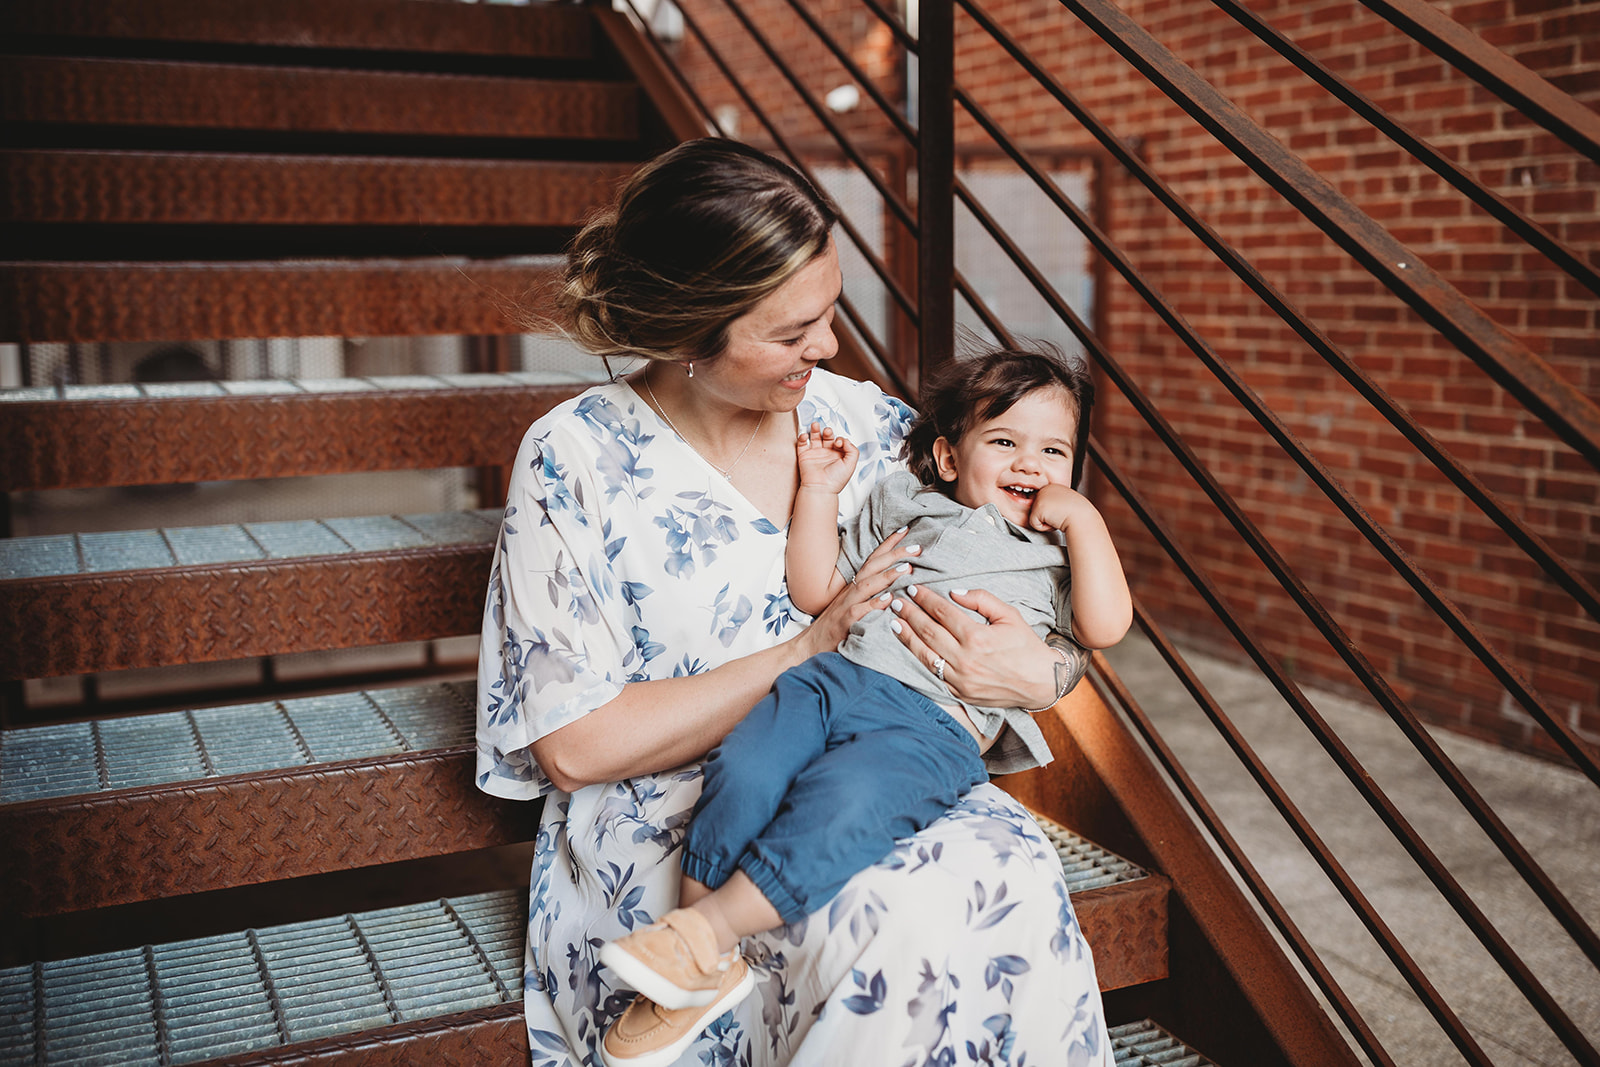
(623, 557)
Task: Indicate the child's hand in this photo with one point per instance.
(1056, 506)
(826, 459)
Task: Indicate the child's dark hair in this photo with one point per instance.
(973, 388)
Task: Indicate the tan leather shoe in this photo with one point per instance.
(673, 962)
(648, 1035)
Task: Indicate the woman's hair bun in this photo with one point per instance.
(696, 238)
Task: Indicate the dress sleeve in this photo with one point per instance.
(555, 642)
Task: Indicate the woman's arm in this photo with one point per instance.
(656, 725)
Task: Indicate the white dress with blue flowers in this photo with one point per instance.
(625, 557)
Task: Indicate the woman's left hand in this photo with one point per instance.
(1000, 663)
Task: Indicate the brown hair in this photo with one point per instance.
(697, 237)
(973, 388)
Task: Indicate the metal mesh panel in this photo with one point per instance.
(61, 759)
(214, 1000)
(98, 1009)
(428, 961)
(323, 979)
(47, 761)
(1144, 1044)
(247, 737)
(145, 751)
(341, 726)
(49, 555)
(1086, 864)
(425, 718)
(16, 1016)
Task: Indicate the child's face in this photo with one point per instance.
(1005, 460)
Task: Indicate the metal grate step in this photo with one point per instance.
(1144, 1044)
(1086, 864)
(196, 1000)
(67, 759)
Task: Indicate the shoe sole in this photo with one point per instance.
(669, 1054)
(639, 975)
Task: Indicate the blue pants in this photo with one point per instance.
(821, 778)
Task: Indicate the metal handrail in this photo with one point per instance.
(1557, 568)
(1463, 789)
(891, 198)
(1214, 825)
(1397, 709)
(1375, 534)
(1527, 229)
(1496, 71)
(887, 109)
(1488, 935)
(1291, 813)
(1549, 396)
(890, 283)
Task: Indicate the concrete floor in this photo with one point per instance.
(1553, 811)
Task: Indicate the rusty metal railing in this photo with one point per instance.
(1562, 408)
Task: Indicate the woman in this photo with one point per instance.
(637, 610)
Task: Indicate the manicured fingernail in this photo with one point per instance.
(913, 550)
(897, 605)
(902, 529)
(894, 624)
(883, 596)
(911, 590)
(903, 568)
(958, 592)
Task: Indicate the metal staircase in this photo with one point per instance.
(197, 170)
(203, 170)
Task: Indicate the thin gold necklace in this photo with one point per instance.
(726, 472)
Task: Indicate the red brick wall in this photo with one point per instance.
(1519, 611)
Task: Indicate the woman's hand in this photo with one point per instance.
(865, 594)
(998, 663)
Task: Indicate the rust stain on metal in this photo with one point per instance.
(78, 624)
(75, 445)
(321, 298)
(540, 31)
(191, 837)
(125, 92)
(157, 187)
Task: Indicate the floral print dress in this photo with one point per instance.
(625, 557)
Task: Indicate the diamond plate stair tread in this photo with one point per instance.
(391, 25)
(167, 188)
(311, 586)
(185, 802)
(265, 989)
(218, 300)
(80, 437)
(200, 95)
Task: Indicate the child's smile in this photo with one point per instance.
(1007, 459)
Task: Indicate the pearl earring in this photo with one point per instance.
(691, 368)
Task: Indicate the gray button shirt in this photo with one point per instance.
(962, 548)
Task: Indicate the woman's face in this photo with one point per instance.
(773, 347)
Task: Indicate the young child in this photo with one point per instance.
(855, 749)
